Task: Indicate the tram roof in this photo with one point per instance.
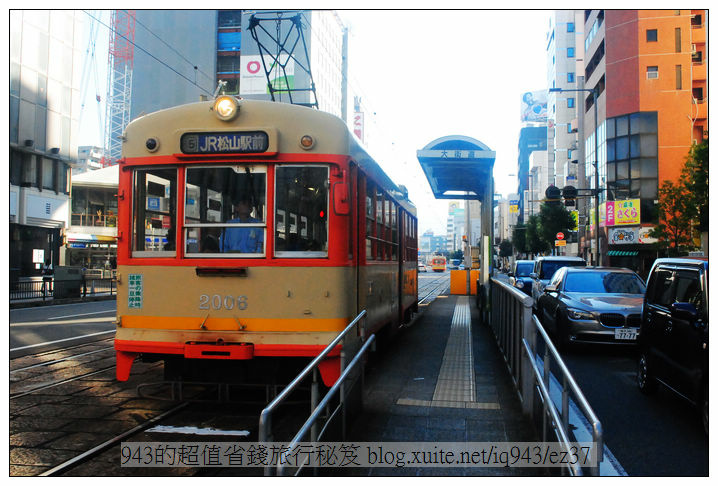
(289, 122)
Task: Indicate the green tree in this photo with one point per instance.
(518, 238)
(534, 242)
(675, 214)
(554, 218)
(695, 174)
(506, 249)
(683, 205)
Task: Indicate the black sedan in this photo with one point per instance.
(593, 304)
(520, 277)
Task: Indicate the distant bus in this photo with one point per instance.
(438, 263)
(455, 262)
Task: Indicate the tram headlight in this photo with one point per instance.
(306, 142)
(226, 107)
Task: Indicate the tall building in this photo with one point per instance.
(182, 55)
(649, 68)
(564, 68)
(45, 65)
(531, 139)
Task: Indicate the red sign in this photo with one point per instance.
(559, 236)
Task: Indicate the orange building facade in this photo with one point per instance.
(649, 67)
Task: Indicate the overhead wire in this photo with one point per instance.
(179, 54)
(148, 53)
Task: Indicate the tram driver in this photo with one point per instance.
(242, 240)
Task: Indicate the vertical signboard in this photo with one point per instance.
(358, 125)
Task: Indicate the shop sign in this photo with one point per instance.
(623, 236)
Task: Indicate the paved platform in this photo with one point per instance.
(442, 380)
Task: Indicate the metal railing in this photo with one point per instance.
(516, 332)
(265, 418)
(26, 290)
(84, 219)
(311, 421)
(568, 387)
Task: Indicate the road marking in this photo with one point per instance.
(89, 320)
(456, 375)
(60, 340)
(78, 315)
(448, 404)
(170, 429)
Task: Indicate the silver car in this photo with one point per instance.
(593, 304)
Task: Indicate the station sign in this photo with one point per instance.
(224, 142)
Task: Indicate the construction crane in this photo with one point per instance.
(119, 82)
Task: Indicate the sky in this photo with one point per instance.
(428, 74)
(425, 74)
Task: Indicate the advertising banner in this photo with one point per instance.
(253, 80)
(620, 213)
(627, 212)
(513, 206)
(533, 106)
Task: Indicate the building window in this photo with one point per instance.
(696, 56)
(652, 35)
(679, 79)
(696, 20)
(571, 77)
(651, 72)
(678, 39)
(570, 52)
(571, 102)
(570, 27)
(698, 95)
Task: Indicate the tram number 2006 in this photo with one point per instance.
(218, 302)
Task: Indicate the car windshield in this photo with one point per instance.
(604, 283)
(550, 267)
(524, 269)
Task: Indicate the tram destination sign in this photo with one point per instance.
(224, 142)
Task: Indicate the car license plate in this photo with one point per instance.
(625, 334)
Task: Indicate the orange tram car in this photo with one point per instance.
(250, 234)
(438, 263)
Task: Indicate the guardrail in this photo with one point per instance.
(27, 290)
(265, 418)
(516, 332)
(311, 421)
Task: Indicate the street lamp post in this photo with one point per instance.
(595, 156)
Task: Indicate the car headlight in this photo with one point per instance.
(578, 314)
(519, 284)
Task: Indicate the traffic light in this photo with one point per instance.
(553, 195)
(569, 195)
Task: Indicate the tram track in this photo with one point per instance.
(435, 288)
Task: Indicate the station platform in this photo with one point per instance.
(442, 380)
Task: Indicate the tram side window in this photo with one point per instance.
(301, 209)
(155, 210)
(370, 222)
(225, 211)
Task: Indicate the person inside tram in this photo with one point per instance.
(210, 244)
(242, 240)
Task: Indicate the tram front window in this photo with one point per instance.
(225, 212)
(302, 205)
(154, 206)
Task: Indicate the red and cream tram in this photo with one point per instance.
(250, 234)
